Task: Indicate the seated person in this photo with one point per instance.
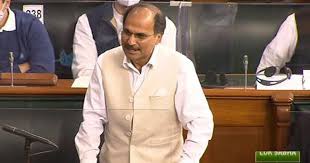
(291, 45)
(99, 30)
(25, 36)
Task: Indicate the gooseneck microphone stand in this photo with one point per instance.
(11, 59)
(245, 63)
(29, 138)
(27, 150)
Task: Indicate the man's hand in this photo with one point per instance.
(24, 67)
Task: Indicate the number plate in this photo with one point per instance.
(35, 10)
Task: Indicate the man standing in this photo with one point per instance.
(140, 95)
(27, 38)
(99, 30)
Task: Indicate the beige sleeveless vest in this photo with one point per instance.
(142, 127)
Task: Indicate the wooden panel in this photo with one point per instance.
(246, 121)
(239, 112)
(234, 145)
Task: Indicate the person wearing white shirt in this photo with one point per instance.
(142, 109)
(291, 44)
(99, 30)
(291, 48)
(24, 38)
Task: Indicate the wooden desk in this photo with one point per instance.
(63, 87)
(247, 121)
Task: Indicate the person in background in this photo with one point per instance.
(291, 48)
(291, 45)
(99, 30)
(141, 110)
(26, 37)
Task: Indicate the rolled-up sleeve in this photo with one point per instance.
(84, 49)
(281, 49)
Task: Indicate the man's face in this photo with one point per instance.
(3, 11)
(128, 2)
(122, 5)
(4, 4)
(138, 38)
(121, 9)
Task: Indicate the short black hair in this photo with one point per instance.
(159, 18)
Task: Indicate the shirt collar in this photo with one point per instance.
(152, 62)
(10, 24)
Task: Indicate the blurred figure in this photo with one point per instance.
(291, 48)
(291, 45)
(99, 30)
(25, 36)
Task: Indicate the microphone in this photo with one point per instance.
(11, 59)
(28, 135)
(245, 63)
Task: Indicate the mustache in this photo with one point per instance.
(129, 47)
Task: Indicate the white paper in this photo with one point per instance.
(35, 10)
(81, 82)
(306, 79)
(294, 83)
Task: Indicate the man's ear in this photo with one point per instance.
(158, 36)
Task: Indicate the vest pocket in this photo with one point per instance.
(161, 102)
(164, 140)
